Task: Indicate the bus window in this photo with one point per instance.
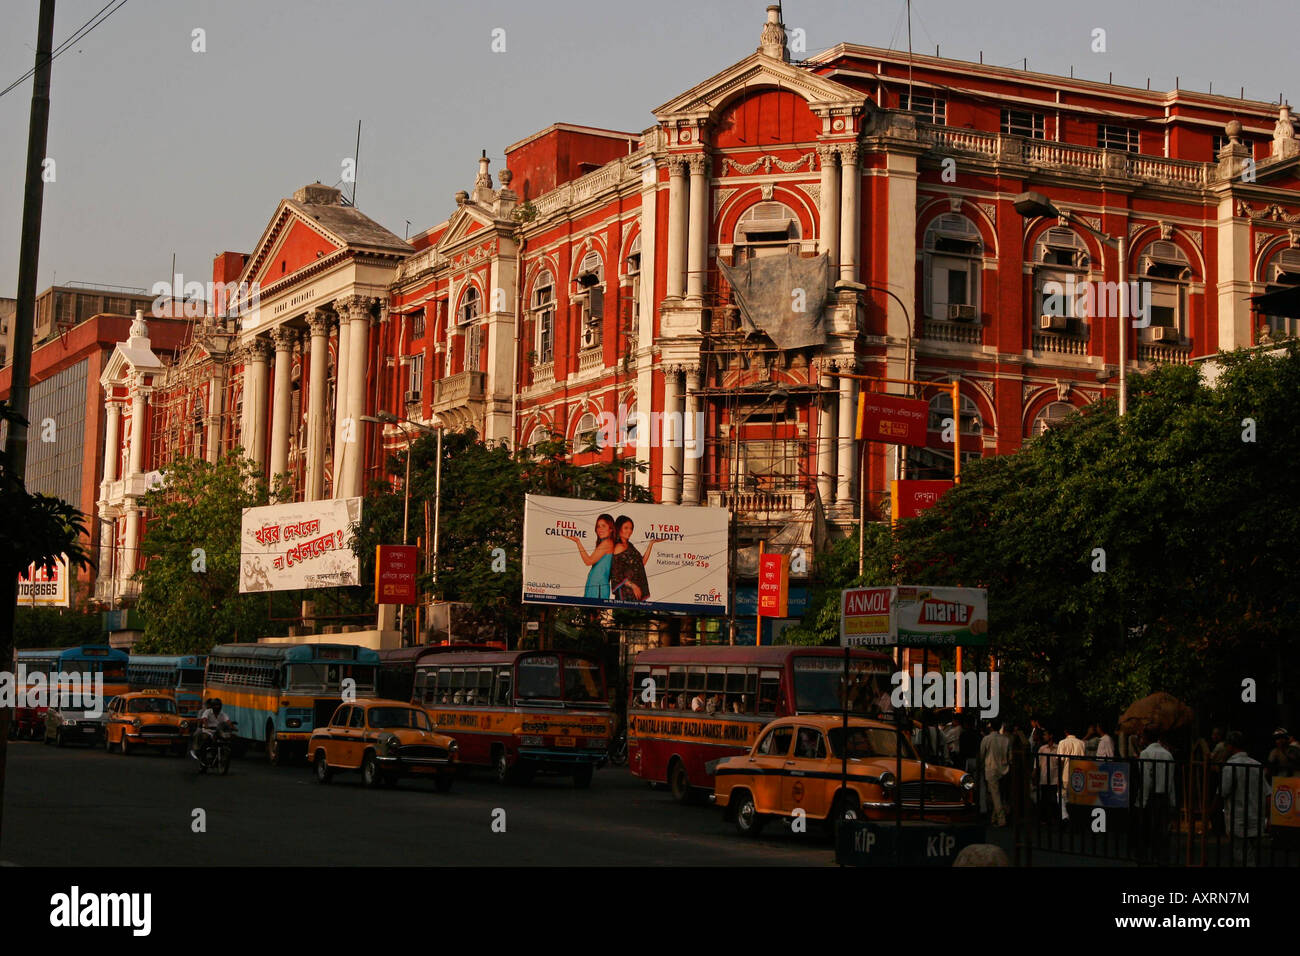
(660, 677)
(539, 677)
(191, 678)
(639, 677)
(676, 697)
(737, 702)
(443, 688)
(503, 687)
(582, 680)
(769, 690)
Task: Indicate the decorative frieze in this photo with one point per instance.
(767, 161)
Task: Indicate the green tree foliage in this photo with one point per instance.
(52, 627)
(1197, 526)
(194, 522)
(480, 542)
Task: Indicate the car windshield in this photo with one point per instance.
(871, 742)
(818, 683)
(330, 675)
(390, 717)
(582, 680)
(152, 705)
(539, 677)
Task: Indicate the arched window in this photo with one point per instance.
(631, 430)
(766, 229)
(934, 462)
(472, 330)
(1164, 271)
(470, 306)
(1282, 272)
(584, 436)
(1050, 417)
(953, 254)
(591, 298)
(540, 434)
(1060, 266)
(543, 306)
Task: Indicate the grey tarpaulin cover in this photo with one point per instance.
(764, 291)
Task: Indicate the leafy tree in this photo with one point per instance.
(48, 627)
(1195, 522)
(190, 583)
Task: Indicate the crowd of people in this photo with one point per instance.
(1238, 785)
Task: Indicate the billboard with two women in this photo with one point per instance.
(621, 554)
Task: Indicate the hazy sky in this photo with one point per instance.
(162, 150)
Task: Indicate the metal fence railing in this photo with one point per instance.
(1146, 812)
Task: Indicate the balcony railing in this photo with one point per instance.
(1165, 354)
(966, 333)
(457, 390)
(757, 503)
(1050, 344)
(591, 360)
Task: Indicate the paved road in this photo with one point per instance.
(79, 807)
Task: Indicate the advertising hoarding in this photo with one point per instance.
(774, 585)
(395, 569)
(38, 587)
(909, 499)
(914, 616)
(1094, 783)
(659, 558)
(301, 544)
(892, 419)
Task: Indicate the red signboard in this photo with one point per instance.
(395, 566)
(911, 498)
(774, 586)
(892, 419)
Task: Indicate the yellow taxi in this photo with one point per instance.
(145, 718)
(796, 764)
(384, 739)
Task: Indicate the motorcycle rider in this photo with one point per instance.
(210, 721)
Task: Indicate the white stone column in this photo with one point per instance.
(829, 204)
(826, 445)
(697, 258)
(136, 463)
(847, 465)
(284, 339)
(692, 439)
(358, 346)
(257, 354)
(671, 437)
(112, 436)
(216, 399)
(107, 542)
(676, 227)
(341, 356)
(319, 321)
(849, 233)
(131, 546)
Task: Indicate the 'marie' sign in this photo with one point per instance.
(913, 616)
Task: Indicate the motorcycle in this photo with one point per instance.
(618, 750)
(215, 752)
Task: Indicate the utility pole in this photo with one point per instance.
(28, 253)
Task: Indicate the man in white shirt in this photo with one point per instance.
(1158, 790)
(1071, 746)
(1106, 744)
(995, 761)
(1244, 788)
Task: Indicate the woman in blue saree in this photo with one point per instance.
(599, 558)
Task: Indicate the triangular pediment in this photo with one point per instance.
(759, 71)
(290, 247)
(464, 223)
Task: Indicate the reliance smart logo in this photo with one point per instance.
(714, 596)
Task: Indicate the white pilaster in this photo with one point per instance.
(112, 451)
(319, 321)
(826, 446)
(284, 339)
(692, 440)
(698, 232)
(676, 228)
(829, 204)
(850, 234)
(358, 345)
(670, 437)
(847, 465)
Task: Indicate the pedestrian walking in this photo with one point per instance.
(1159, 798)
(1048, 772)
(1071, 746)
(1105, 743)
(995, 759)
(1245, 794)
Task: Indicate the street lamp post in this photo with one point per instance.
(1036, 204)
(388, 418)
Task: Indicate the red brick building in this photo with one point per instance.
(862, 204)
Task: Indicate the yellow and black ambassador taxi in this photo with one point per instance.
(384, 739)
(797, 764)
(146, 718)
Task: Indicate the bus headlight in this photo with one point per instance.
(887, 781)
(294, 722)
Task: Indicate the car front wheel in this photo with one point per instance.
(370, 771)
(749, 822)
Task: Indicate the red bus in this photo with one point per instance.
(517, 712)
(689, 706)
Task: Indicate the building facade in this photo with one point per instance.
(693, 295)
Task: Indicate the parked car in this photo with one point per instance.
(383, 740)
(147, 718)
(65, 726)
(796, 764)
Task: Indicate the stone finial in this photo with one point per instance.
(139, 328)
(505, 176)
(771, 42)
(1285, 144)
(1233, 129)
(462, 197)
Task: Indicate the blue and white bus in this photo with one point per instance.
(278, 693)
(182, 674)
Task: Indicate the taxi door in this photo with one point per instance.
(355, 743)
(802, 784)
(336, 744)
(766, 765)
(113, 723)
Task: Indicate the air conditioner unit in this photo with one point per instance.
(412, 398)
(961, 313)
(1164, 333)
(1053, 323)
